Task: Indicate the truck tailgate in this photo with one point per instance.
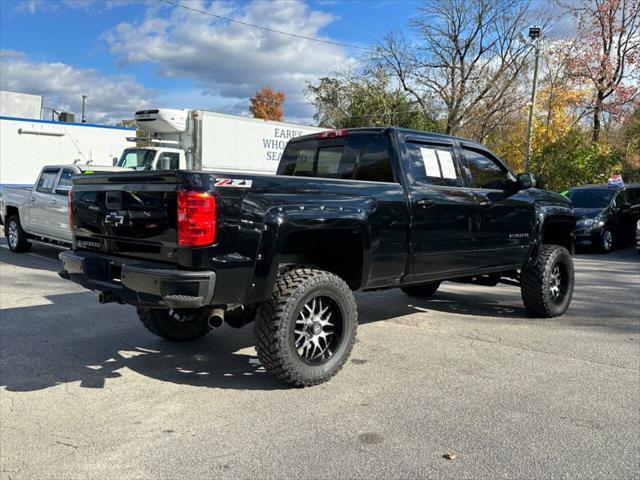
(132, 214)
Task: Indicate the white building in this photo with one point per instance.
(20, 105)
(28, 145)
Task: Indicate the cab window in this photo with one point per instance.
(486, 172)
(64, 182)
(168, 161)
(434, 164)
(357, 156)
(47, 179)
(374, 163)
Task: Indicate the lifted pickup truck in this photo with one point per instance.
(358, 209)
(41, 212)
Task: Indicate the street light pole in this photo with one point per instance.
(534, 34)
(84, 103)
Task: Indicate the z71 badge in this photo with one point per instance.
(233, 182)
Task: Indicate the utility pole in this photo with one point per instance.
(84, 104)
(534, 35)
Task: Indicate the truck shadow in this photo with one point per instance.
(70, 340)
(385, 305)
(66, 338)
(46, 261)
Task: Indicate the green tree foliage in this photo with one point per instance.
(629, 147)
(575, 160)
(366, 99)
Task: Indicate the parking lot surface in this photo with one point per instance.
(87, 392)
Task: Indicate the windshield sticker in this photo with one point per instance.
(446, 164)
(430, 162)
(233, 182)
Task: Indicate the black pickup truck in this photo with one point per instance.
(357, 209)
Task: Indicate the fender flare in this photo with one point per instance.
(280, 222)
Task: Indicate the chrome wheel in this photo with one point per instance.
(318, 330)
(12, 234)
(558, 283)
(607, 240)
(555, 283)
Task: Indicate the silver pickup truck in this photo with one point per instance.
(41, 212)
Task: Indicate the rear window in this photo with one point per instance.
(358, 156)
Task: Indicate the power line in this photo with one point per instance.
(260, 27)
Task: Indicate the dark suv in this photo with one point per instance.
(605, 216)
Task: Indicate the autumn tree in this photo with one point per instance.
(558, 142)
(267, 104)
(606, 54)
(467, 57)
(365, 98)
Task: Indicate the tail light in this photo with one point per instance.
(196, 219)
(70, 212)
(332, 134)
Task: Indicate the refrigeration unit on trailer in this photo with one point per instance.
(27, 145)
(197, 139)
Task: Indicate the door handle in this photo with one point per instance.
(32, 199)
(425, 202)
(486, 203)
(53, 202)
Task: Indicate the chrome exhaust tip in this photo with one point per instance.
(216, 318)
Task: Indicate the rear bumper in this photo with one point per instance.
(138, 283)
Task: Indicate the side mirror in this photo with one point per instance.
(115, 161)
(526, 180)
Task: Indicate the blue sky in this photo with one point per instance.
(132, 54)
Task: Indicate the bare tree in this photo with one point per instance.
(468, 57)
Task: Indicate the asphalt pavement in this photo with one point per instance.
(87, 393)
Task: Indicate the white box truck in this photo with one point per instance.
(27, 145)
(201, 140)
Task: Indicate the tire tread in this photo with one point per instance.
(533, 284)
(271, 333)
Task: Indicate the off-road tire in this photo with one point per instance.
(160, 322)
(424, 290)
(21, 244)
(275, 325)
(536, 279)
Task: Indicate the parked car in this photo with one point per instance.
(638, 236)
(41, 212)
(358, 209)
(605, 215)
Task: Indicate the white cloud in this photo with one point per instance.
(231, 61)
(37, 6)
(111, 98)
